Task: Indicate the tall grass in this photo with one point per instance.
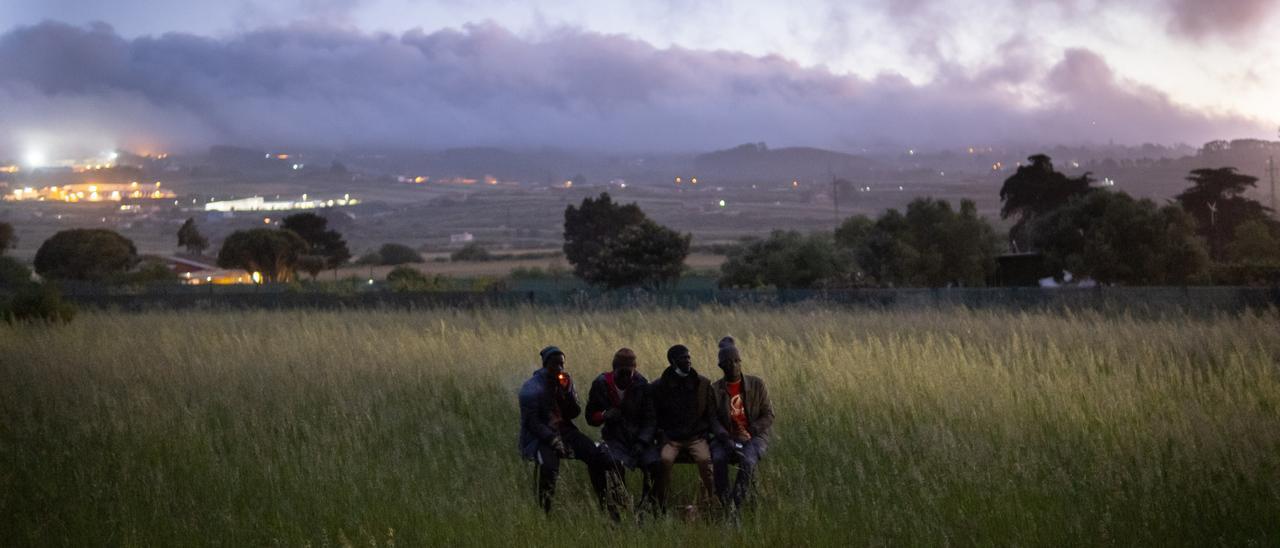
(380, 428)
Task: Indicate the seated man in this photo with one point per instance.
(745, 412)
(616, 402)
(684, 408)
(548, 405)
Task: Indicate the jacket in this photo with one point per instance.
(755, 402)
(684, 406)
(537, 396)
(635, 426)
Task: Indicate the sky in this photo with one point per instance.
(665, 75)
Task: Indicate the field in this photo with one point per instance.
(894, 428)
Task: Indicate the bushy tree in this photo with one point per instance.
(323, 243)
(472, 252)
(189, 236)
(616, 245)
(273, 253)
(931, 245)
(37, 303)
(85, 254)
(1255, 242)
(398, 254)
(7, 239)
(1115, 239)
(407, 278)
(1036, 189)
(1216, 200)
(13, 273)
(788, 260)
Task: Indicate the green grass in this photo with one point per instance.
(364, 428)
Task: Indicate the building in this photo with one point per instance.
(258, 203)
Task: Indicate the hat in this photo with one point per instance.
(728, 353)
(549, 351)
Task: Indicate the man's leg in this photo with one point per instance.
(721, 456)
(662, 473)
(700, 451)
(752, 451)
(586, 451)
(548, 470)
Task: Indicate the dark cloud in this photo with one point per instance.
(1203, 18)
(483, 85)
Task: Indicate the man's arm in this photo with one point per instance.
(648, 417)
(764, 421)
(534, 418)
(568, 401)
(597, 402)
(713, 411)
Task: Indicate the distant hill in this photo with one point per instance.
(754, 162)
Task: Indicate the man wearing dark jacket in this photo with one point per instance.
(744, 410)
(684, 407)
(548, 405)
(617, 404)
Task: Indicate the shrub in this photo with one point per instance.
(471, 252)
(37, 303)
(398, 254)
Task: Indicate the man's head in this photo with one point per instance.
(624, 367)
(552, 358)
(730, 362)
(727, 341)
(678, 356)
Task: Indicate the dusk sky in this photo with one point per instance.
(160, 75)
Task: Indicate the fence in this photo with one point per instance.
(1136, 300)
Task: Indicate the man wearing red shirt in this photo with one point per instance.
(747, 414)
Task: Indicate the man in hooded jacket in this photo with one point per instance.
(548, 405)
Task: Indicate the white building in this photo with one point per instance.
(258, 203)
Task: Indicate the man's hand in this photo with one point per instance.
(559, 447)
(612, 413)
(564, 383)
(742, 436)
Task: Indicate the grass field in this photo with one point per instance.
(894, 428)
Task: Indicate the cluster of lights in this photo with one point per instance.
(692, 181)
(91, 193)
(258, 203)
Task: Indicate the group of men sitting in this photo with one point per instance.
(648, 426)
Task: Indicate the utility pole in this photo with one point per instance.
(1271, 171)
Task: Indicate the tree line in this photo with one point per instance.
(1209, 233)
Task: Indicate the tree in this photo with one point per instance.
(85, 254)
(323, 243)
(272, 253)
(471, 252)
(7, 239)
(190, 237)
(13, 273)
(398, 254)
(1115, 239)
(407, 278)
(616, 245)
(645, 255)
(1216, 201)
(1255, 242)
(788, 260)
(1035, 190)
(930, 245)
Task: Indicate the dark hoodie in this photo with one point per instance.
(684, 406)
(635, 424)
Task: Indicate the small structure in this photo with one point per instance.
(463, 238)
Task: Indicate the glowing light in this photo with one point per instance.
(677, 180)
(266, 220)
(721, 203)
(35, 158)
(693, 181)
(257, 277)
(795, 183)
